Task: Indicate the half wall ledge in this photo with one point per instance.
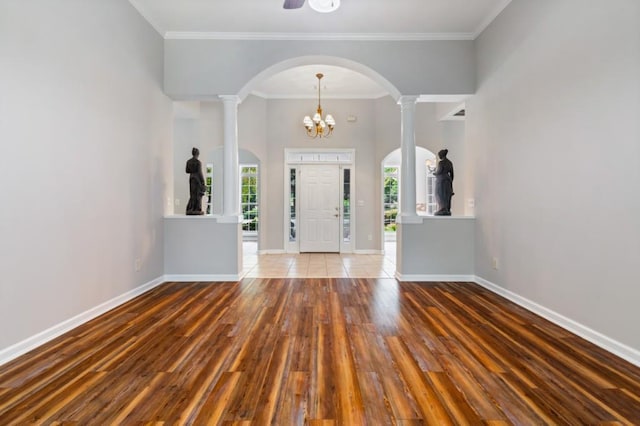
(435, 246)
(202, 248)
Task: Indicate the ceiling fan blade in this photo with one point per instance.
(293, 4)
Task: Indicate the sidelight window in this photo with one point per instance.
(249, 201)
(346, 205)
(292, 204)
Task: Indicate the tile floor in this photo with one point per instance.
(318, 265)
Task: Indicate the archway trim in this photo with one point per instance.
(319, 59)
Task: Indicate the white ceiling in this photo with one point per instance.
(354, 20)
(302, 83)
(393, 18)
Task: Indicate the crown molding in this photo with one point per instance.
(208, 35)
(195, 35)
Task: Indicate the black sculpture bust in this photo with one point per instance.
(197, 186)
(444, 184)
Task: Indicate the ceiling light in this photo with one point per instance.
(324, 6)
(319, 126)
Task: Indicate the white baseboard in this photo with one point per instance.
(43, 337)
(623, 351)
(181, 278)
(440, 278)
(368, 252)
(279, 251)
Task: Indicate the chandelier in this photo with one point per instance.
(318, 126)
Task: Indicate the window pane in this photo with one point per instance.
(390, 198)
(292, 204)
(209, 188)
(249, 198)
(346, 206)
(431, 192)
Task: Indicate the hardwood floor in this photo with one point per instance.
(319, 351)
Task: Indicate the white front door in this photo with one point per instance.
(320, 208)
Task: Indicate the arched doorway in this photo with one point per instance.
(291, 119)
(425, 202)
(319, 60)
(250, 190)
(266, 126)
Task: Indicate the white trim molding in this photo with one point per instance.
(623, 351)
(231, 219)
(187, 278)
(417, 219)
(296, 158)
(434, 278)
(210, 35)
(43, 337)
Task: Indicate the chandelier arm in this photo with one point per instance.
(318, 127)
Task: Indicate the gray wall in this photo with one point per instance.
(553, 137)
(267, 127)
(196, 69)
(438, 248)
(205, 132)
(85, 159)
(201, 248)
(286, 131)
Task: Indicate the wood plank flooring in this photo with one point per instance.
(341, 351)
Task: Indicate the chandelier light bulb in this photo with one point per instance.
(318, 127)
(330, 121)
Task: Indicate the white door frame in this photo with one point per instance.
(319, 219)
(293, 159)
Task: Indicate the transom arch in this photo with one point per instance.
(394, 156)
(319, 59)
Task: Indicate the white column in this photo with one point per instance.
(231, 179)
(408, 152)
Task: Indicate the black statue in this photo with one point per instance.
(444, 184)
(197, 186)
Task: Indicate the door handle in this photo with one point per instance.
(337, 215)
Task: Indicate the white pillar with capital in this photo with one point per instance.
(408, 162)
(231, 173)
